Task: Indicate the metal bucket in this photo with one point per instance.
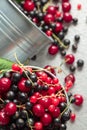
(18, 34)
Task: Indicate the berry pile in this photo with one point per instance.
(53, 17)
(34, 99)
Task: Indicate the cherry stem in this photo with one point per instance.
(2, 100)
(60, 42)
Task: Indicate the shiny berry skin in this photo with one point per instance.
(53, 49)
(48, 33)
(48, 18)
(72, 116)
(46, 119)
(78, 99)
(4, 84)
(33, 99)
(4, 119)
(80, 63)
(45, 102)
(69, 59)
(10, 108)
(29, 6)
(38, 110)
(56, 112)
(58, 27)
(38, 125)
(66, 6)
(67, 17)
(51, 10)
(70, 77)
(16, 67)
(22, 87)
(51, 108)
(55, 101)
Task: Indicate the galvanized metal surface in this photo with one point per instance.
(18, 34)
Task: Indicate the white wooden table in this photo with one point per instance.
(81, 76)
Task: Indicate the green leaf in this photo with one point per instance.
(5, 64)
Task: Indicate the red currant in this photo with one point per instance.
(38, 110)
(48, 18)
(29, 6)
(69, 59)
(70, 77)
(5, 84)
(78, 99)
(66, 6)
(46, 119)
(58, 27)
(16, 67)
(67, 17)
(72, 116)
(4, 119)
(38, 125)
(10, 108)
(53, 49)
(45, 102)
(51, 10)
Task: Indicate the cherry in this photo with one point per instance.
(38, 110)
(67, 17)
(22, 87)
(48, 18)
(70, 77)
(51, 10)
(78, 99)
(66, 6)
(69, 59)
(72, 116)
(53, 49)
(4, 119)
(10, 108)
(4, 84)
(58, 27)
(29, 5)
(46, 119)
(38, 125)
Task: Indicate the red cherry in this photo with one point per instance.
(46, 119)
(53, 49)
(56, 112)
(38, 110)
(78, 99)
(5, 84)
(51, 10)
(67, 17)
(66, 6)
(22, 87)
(4, 119)
(48, 18)
(48, 33)
(16, 67)
(58, 27)
(10, 108)
(45, 102)
(70, 77)
(72, 116)
(29, 6)
(69, 58)
(38, 126)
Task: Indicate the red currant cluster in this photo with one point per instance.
(33, 99)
